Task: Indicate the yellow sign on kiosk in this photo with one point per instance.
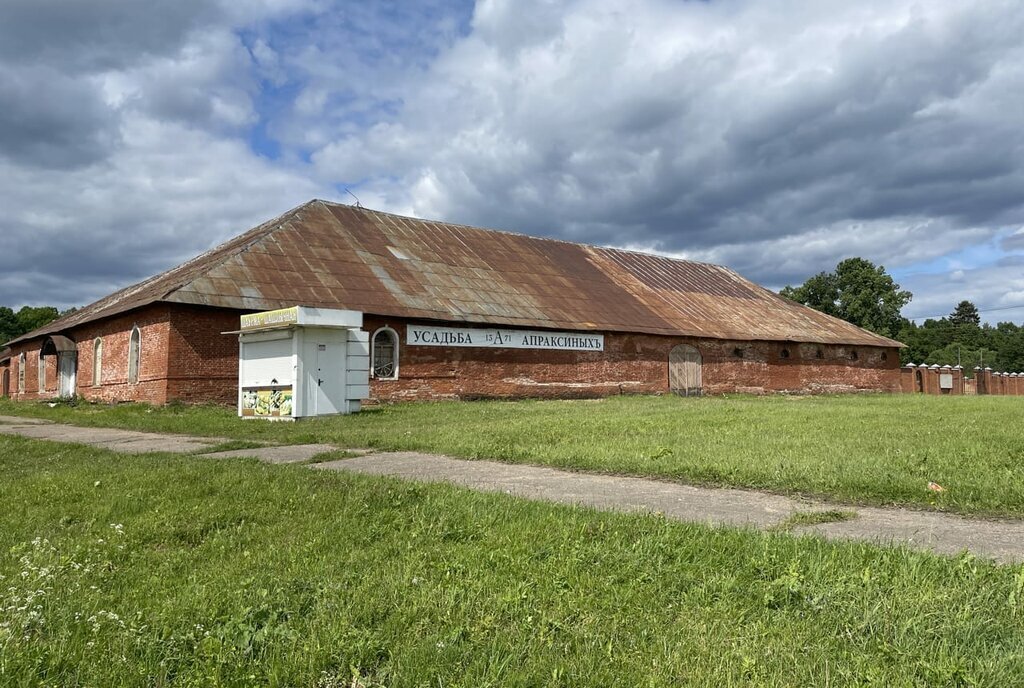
(279, 318)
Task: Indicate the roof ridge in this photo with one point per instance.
(528, 236)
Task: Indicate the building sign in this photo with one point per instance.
(266, 402)
(279, 318)
(418, 335)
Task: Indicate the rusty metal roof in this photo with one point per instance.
(338, 256)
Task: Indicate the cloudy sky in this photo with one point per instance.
(774, 136)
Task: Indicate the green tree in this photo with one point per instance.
(965, 313)
(9, 328)
(32, 318)
(859, 292)
(923, 339)
(28, 318)
(820, 292)
(1008, 339)
(958, 354)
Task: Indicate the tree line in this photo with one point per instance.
(862, 293)
(14, 324)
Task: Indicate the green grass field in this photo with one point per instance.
(868, 449)
(164, 570)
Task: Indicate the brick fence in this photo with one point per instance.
(935, 379)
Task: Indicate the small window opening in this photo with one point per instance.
(737, 352)
(853, 355)
(784, 353)
(134, 355)
(819, 353)
(885, 357)
(385, 354)
(97, 362)
(21, 372)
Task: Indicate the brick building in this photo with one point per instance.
(453, 312)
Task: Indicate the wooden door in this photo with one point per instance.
(5, 386)
(684, 371)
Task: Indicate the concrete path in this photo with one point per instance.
(124, 441)
(131, 442)
(1001, 540)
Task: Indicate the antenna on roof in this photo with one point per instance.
(358, 204)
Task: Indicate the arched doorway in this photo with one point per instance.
(66, 352)
(918, 381)
(684, 371)
(5, 383)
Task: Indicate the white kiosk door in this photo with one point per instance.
(325, 370)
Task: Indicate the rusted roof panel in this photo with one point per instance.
(338, 256)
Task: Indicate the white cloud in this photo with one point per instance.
(723, 129)
(997, 290)
(777, 138)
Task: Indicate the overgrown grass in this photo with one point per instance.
(173, 570)
(802, 519)
(875, 449)
(230, 445)
(336, 455)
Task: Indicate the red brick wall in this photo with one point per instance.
(113, 385)
(630, 364)
(115, 333)
(185, 357)
(32, 363)
(204, 361)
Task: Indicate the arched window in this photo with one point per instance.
(42, 372)
(21, 373)
(384, 354)
(134, 355)
(97, 362)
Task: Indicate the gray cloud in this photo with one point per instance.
(48, 119)
(167, 195)
(1014, 242)
(79, 37)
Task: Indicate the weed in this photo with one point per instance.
(336, 455)
(230, 445)
(801, 519)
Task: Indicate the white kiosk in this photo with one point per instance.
(301, 361)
